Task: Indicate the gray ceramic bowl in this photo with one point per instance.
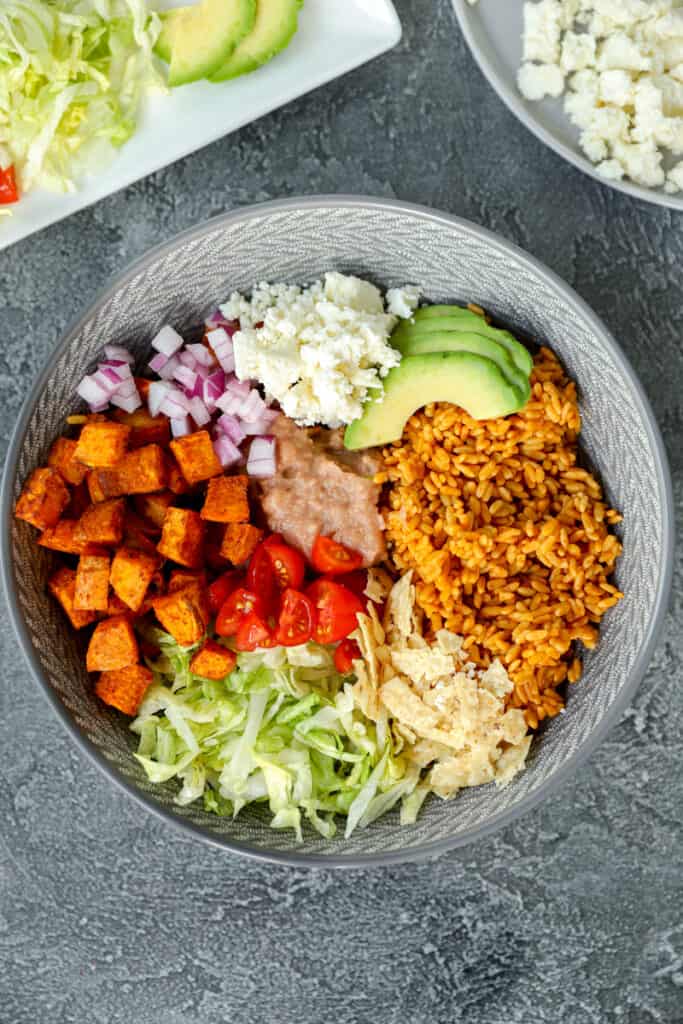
(392, 243)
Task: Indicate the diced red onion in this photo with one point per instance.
(175, 405)
(167, 341)
(158, 390)
(166, 372)
(126, 389)
(222, 348)
(187, 359)
(185, 376)
(197, 391)
(158, 362)
(261, 425)
(226, 451)
(201, 354)
(181, 427)
(231, 427)
(129, 403)
(92, 392)
(229, 403)
(252, 407)
(261, 460)
(218, 320)
(119, 352)
(99, 408)
(199, 413)
(238, 387)
(202, 371)
(109, 374)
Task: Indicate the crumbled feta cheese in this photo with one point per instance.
(624, 88)
(317, 350)
(538, 80)
(542, 25)
(674, 179)
(402, 302)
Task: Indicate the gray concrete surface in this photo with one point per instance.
(575, 914)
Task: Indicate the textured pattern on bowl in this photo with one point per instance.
(392, 244)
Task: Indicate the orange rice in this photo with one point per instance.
(507, 536)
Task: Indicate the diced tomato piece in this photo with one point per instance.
(297, 619)
(337, 609)
(9, 193)
(355, 581)
(239, 604)
(261, 578)
(289, 565)
(329, 556)
(345, 655)
(253, 632)
(221, 589)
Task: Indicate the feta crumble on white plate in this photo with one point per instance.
(318, 350)
(619, 66)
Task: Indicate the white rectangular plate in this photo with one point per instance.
(333, 37)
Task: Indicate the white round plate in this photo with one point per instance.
(493, 31)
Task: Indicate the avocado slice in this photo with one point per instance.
(164, 44)
(205, 36)
(454, 318)
(468, 341)
(275, 24)
(466, 379)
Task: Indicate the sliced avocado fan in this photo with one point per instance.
(203, 37)
(471, 381)
(169, 20)
(275, 24)
(432, 319)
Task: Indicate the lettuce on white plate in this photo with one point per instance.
(281, 729)
(72, 77)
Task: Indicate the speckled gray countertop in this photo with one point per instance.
(575, 914)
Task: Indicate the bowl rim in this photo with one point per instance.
(465, 14)
(340, 860)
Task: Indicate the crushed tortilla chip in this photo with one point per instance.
(446, 716)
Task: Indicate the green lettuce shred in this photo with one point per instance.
(281, 729)
(72, 77)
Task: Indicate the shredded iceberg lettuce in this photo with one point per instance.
(72, 76)
(281, 729)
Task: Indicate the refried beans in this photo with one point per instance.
(320, 488)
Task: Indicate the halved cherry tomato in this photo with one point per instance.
(221, 589)
(273, 538)
(9, 193)
(337, 609)
(253, 632)
(289, 565)
(297, 619)
(345, 655)
(239, 604)
(331, 557)
(261, 579)
(355, 581)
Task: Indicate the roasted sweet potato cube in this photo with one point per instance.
(213, 661)
(239, 541)
(184, 614)
(139, 535)
(179, 578)
(196, 457)
(212, 547)
(152, 507)
(145, 428)
(116, 606)
(103, 523)
(142, 471)
(80, 500)
(95, 488)
(226, 500)
(62, 585)
(124, 688)
(112, 645)
(92, 583)
(182, 538)
(64, 537)
(175, 481)
(43, 499)
(62, 459)
(131, 574)
(102, 444)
